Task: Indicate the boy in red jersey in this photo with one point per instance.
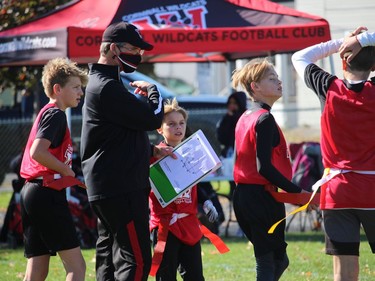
(177, 223)
(348, 145)
(47, 222)
(262, 164)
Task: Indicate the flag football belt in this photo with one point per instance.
(329, 173)
(163, 230)
(58, 182)
(291, 198)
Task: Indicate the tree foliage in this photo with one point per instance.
(14, 13)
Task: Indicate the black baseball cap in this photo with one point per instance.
(125, 32)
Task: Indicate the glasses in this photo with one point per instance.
(131, 49)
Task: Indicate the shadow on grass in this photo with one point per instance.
(316, 236)
(312, 236)
(298, 236)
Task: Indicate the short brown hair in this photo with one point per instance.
(104, 48)
(58, 71)
(363, 61)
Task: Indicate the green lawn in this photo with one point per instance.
(4, 201)
(306, 254)
(305, 250)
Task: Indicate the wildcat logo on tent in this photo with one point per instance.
(181, 26)
(189, 15)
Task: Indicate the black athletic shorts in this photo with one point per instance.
(343, 229)
(47, 222)
(256, 211)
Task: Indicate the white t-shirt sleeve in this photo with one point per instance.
(366, 39)
(304, 57)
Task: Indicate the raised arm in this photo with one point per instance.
(304, 57)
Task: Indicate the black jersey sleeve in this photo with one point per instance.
(319, 81)
(267, 137)
(52, 126)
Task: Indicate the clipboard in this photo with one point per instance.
(196, 159)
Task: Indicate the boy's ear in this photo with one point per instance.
(254, 86)
(56, 89)
(160, 131)
(344, 64)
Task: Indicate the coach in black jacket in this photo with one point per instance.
(115, 152)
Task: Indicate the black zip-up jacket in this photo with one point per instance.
(115, 148)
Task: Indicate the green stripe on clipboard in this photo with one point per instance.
(165, 188)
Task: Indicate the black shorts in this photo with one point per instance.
(256, 211)
(47, 222)
(342, 228)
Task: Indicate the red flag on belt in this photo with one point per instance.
(61, 183)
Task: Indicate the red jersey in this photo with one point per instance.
(348, 142)
(245, 167)
(181, 214)
(31, 169)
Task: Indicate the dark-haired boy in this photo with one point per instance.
(348, 149)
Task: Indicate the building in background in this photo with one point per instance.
(299, 106)
(343, 16)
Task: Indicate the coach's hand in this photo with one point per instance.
(161, 151)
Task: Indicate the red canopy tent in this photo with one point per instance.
(180, 30)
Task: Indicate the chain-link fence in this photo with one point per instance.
(14, 133)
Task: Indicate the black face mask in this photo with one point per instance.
(129, 62)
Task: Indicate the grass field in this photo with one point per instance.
(4, 201)
(306, 253)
